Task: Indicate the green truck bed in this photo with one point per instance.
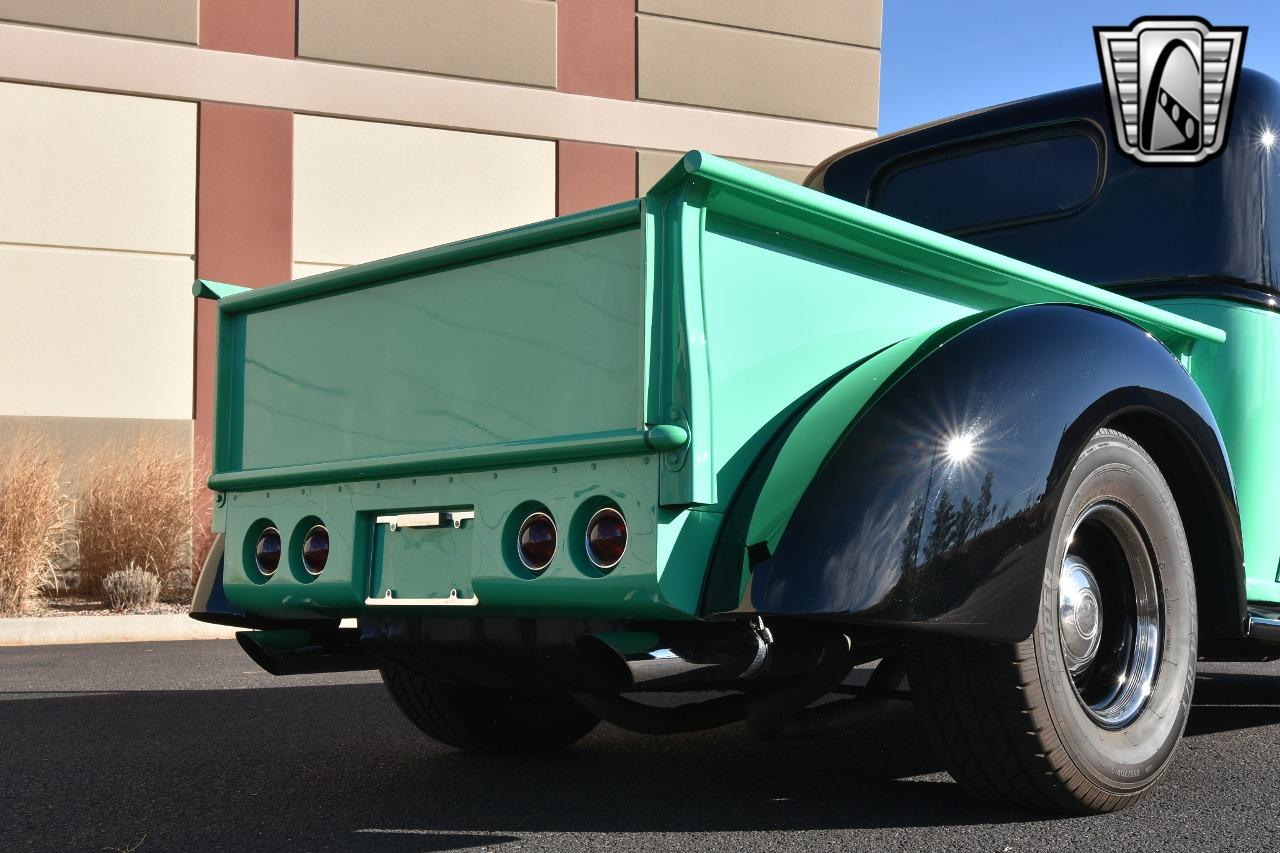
(640, 355)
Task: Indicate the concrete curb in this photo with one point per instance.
(107, 628)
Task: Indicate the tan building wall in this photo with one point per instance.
(856, 22)
(80, 440)
(364, 190)
(815, 60)
(652, 165)
(147, 141)
(97, 234)
(690, 62)
(512, 41)
(171, 20)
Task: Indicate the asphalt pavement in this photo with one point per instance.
(185, 746)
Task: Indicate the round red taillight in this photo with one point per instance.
(315, 549)
(536, 541)
(606, 538)
(266, 554)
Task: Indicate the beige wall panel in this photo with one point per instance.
(706, 65)
(171, 20)
(95, 334)
(652, 165)
(78, 440)
(90, 169)
(365, 190)
(846, 21)
(163, 70)
(302, 270)
(509, 40)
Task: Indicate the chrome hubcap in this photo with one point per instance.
(1108, 570)
(1079, 614)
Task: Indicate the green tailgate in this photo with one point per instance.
(438, 359)
(487, 379)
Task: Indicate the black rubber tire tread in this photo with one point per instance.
(987, 717)
(480, 719)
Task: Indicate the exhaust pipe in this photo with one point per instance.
(302, 652)
(644, 660)
(777, 719)
(711, 657)
(702, 657)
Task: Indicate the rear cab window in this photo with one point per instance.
(994, 182)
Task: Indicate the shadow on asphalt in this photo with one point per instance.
(337, 768)
(1233, 701)
(314, 768)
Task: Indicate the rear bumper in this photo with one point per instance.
(467, 569)
(604, 655)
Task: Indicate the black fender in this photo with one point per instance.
(933, 511)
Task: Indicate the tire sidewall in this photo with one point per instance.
(1119, 761)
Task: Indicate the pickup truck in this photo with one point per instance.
(984, 402)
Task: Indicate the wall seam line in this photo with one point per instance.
(643, 150)
(745, 29)
(68, 247)
(809, 121)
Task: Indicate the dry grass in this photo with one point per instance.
(34, 519)
(202, 534)
(135, 509)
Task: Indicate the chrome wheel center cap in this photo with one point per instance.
(1079, 614)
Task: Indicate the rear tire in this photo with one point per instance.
(1041, 724)
(487, 720)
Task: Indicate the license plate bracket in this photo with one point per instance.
(422, 557)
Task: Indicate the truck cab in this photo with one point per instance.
(1042, 180)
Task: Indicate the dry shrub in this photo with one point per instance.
(202, 534)
(133, 588)
(34, 518)
(135, 509)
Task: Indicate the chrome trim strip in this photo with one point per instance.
(451, 600)
(447, 518)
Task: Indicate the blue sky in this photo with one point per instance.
(942, 57)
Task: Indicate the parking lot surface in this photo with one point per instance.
(186, 746)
